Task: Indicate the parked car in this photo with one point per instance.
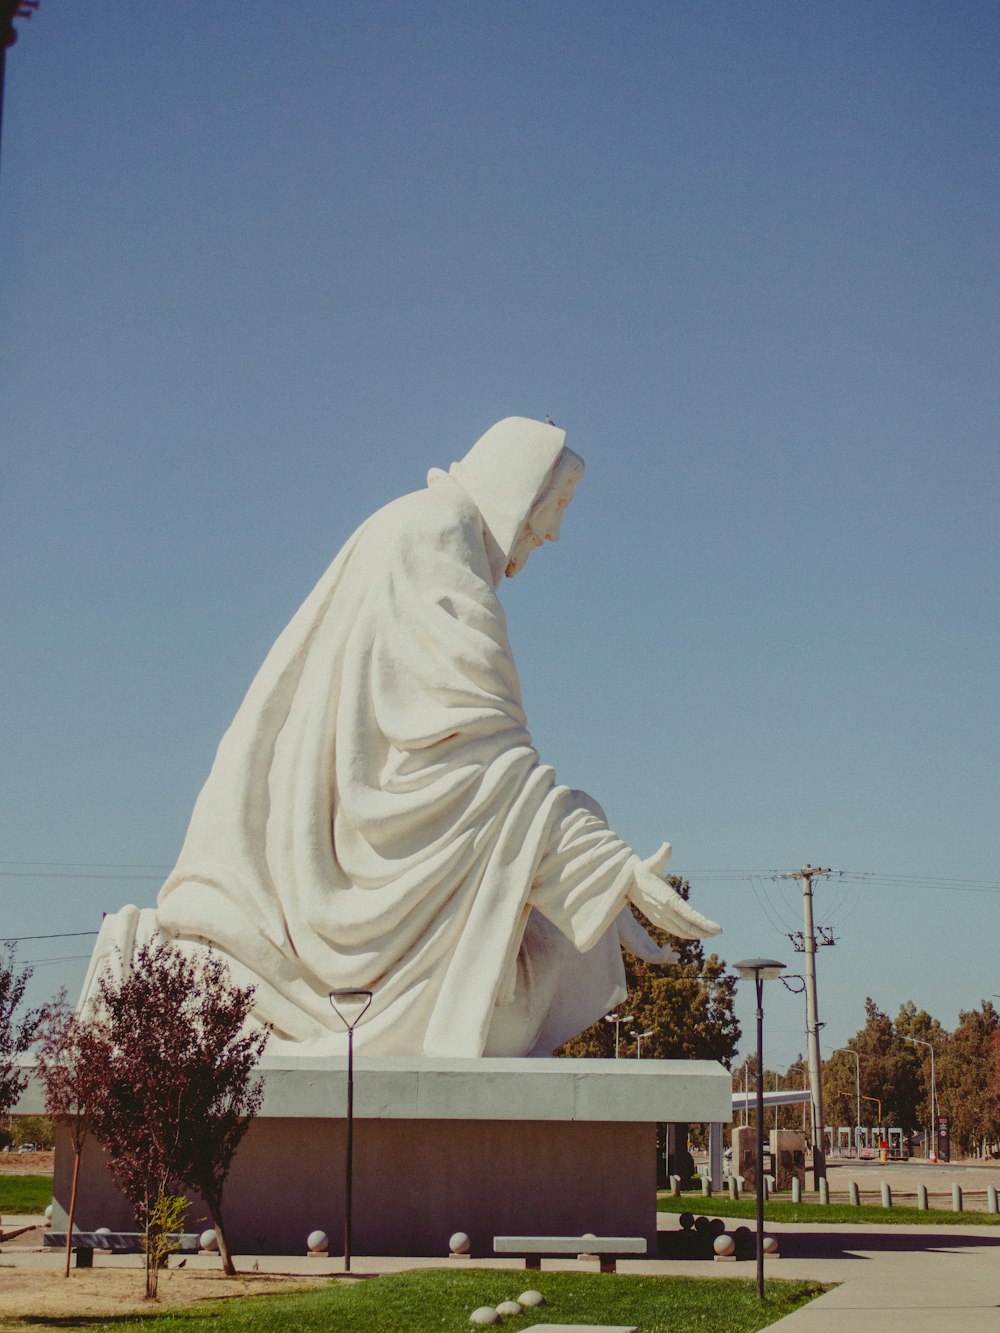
(27, 1147)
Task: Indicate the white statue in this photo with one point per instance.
(377, 817)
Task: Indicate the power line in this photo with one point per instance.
(69, 958)
(867, 877)
(147, 870)
(760, 893)
(88, 865)
(63, 874)
(65, 935)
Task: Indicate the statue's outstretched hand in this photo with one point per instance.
(637, 941)
(663, 905)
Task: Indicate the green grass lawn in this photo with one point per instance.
(25, 1194)
(432, 1299)
(780, 1210)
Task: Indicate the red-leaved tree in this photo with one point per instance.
(177, 1091)
(69, 1067)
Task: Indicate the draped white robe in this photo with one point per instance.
(377, 816)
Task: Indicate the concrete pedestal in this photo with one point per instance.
(488, 1147)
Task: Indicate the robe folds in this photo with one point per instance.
(377, 817)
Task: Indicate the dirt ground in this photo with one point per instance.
(117, 1291)
(27, 1163)
(32, 1284)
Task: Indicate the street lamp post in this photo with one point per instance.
(878, 1113)
(639, 1036)
(346, 1003)
(857, 1087)
(618, 1020)
(932, 1143)
(777, 1107)
(761, 970)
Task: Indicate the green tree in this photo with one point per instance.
(993, 1085)
(687, 1006)
(17, 1030)
(890, 1071)
(914, 1022)
(918, 1024)
(966, 1091)
(36, 1129)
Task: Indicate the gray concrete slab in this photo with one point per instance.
(424, 1088)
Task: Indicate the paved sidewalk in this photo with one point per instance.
(926, 1279)
(892, 1279)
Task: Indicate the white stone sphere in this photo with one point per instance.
(531, 1298)
(484, 1315)
(770, 1245)
(208, 1240)
(317, 1242)
(48, 1212)
(103, 1231)
(460, 1243)
(509, 1307)
(724, 1245)
(588, 1235)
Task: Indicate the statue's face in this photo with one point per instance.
(542, 525)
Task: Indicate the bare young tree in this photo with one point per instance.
(68, 1066)
(177, 1089)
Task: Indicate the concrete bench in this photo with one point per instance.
(119, 1242)
(607, 1248)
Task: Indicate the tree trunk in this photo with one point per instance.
(77, 1153)
(152, 1264)
(215, 1210)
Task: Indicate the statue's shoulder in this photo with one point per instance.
(442, 510)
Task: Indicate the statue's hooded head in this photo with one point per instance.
(521, 476)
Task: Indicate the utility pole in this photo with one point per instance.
(808, 945)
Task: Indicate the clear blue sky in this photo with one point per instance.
(262, 266)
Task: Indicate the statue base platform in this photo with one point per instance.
(488, 1147)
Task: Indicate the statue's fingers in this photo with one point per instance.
(685, 922)
(660, 859)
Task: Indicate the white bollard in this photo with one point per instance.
(991, 1199)
(734, 1187)
(886, 1194)
(922, 1203)
(956, 1197)
(854, 1193)
(796, 1190)
(824, 1190)
(706, 1187)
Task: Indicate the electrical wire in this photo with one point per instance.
(66, 935)
(70, 958)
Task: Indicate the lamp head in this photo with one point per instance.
(349, 1004)
(767, 969)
